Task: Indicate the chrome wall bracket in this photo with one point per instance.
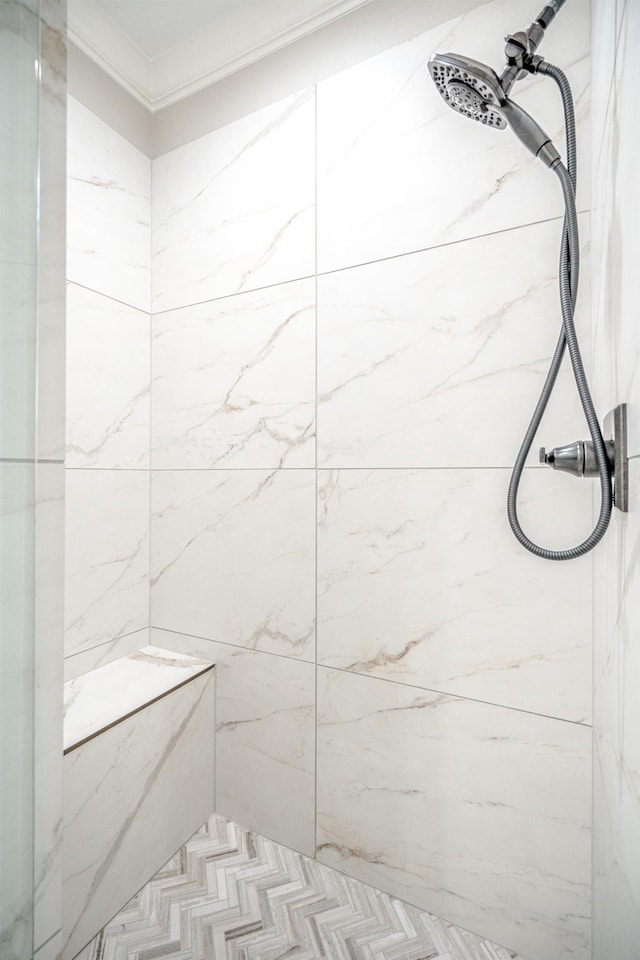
(615, 431)
(579, 459)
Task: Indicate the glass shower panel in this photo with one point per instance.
(19, 92)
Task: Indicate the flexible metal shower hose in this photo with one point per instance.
(569, 271)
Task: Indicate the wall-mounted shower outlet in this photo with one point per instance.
(579, 458)
(615, 431)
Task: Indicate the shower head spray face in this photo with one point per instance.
(469, 87)
(474, 90)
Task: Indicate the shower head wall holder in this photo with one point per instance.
(579, 458)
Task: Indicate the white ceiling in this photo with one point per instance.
(164, 50)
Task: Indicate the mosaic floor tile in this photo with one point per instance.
(230, 894)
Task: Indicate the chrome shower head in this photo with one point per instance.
(469, 88)
(474, 90)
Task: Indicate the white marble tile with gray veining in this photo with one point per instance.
(265, 734)
(234, 381)
(421, 580)
(108, 391)
(96, 700)
(133, 795)
(104, 653)
(398, 170)
(438, 358)
(234, 210)
(109, 210)
(476, 813)
(107, 555)
(233, 557)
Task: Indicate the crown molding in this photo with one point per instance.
(111, 48)
(185, 68)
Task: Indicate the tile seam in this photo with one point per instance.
(366, 676)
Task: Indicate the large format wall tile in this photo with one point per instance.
(438, 358)
(474, 812)
(234, 210)
(616, 894)
(233, 557)
(398, 170)
(108, 353)
(421, 580)
(109, 204)
(107, 559)
(234, 381)
(265, 735)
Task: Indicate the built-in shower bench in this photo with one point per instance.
(138, 779)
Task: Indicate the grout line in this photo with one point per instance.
(315, 672)
(368, 676)
(237, 293)
(459, 696)
(327, 467)
(31, 460)
(233, 646)
(366, 263)
(103, 643)
(45, 943)
(107, 469)
(150, 457)
(446, 243)
(214, 734)
(107, 296)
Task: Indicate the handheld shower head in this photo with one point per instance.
(469, 87)
(474, 90)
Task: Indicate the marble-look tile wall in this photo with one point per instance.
(616, 289)
(108, 395)
(354, 304)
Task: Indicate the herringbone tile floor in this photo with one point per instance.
(229, 894)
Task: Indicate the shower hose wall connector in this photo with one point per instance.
(579, 458)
